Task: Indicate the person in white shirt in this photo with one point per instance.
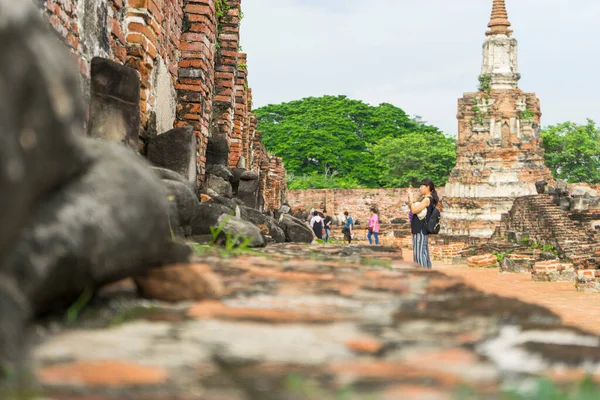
(316, 223)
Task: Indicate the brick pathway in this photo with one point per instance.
(575, 308)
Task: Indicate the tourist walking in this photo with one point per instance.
(373, 226)
(420, 210)
(348, 229)
(316, 223)
(328, 221)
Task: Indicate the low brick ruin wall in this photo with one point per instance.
(191, 72)
(391, 203)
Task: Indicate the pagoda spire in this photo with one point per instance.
(499, 22)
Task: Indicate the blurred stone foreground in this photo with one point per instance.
(99, 301)
(297, 321)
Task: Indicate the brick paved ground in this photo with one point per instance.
(575, 308)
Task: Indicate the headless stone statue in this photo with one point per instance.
(76, 213)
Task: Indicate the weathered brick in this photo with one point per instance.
(156, 35)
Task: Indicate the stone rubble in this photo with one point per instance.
(483, 261)
(303, 322)
(553, 271)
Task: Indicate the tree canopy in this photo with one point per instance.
(407, 160)
(573, 151)
(333, 141)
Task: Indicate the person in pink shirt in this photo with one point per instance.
(373, 226)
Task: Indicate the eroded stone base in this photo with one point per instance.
(553, 271)
(588, 281)
(517, 263)
(473, 217)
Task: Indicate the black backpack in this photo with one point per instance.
(432, 222)
(318, 225)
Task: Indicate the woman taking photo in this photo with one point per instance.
(420, 211)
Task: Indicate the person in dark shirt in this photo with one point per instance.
(328, 222)
(348, 228)
(420, 210)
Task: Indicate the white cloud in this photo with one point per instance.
(420, 55)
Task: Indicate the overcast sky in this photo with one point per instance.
(420, 55)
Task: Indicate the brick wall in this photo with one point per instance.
(391, 203)
(191, 72)
(142, 34)
(89, 28)
(589, 222)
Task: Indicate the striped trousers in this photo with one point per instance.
(421, 250)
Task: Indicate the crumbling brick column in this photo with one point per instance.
(241, 114)
(226, 65)
(275, 194)
(248, 138)
(196, 74)
(257, 151)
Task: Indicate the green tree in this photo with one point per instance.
(407, 160)
(328, 141)
(320, 181)
(573, 151)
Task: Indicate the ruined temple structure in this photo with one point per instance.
(499, 154)
(149, 66)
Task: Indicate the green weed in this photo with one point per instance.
(75, 309)
(132, 314)
(544, 389)
(526, 241)
(376, 262)
(502, 254)
(311, 389)
(224, 244)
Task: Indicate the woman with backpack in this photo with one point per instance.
(421, 211)
(316, 223)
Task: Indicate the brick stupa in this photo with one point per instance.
(499, 154)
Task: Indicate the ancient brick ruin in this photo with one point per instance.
(192, 77)
(567, 222)
(99, 301)
(501, 208)
(191, 73)
(499, 154)
(542, 221)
